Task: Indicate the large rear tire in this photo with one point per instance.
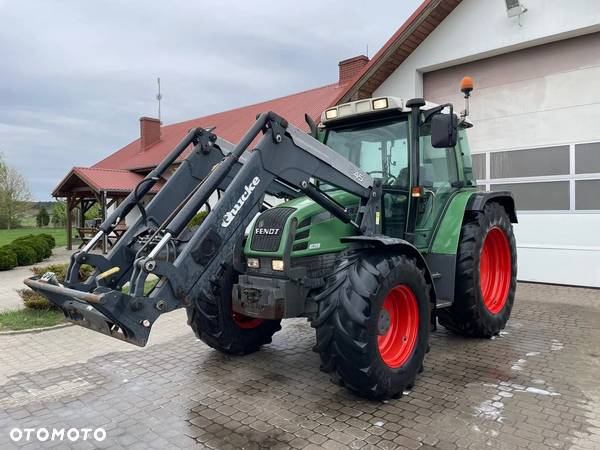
(486, 275)
(373, 324)
(214, 322)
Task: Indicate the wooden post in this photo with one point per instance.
(82, 213)
(69, 224)
(103, 209)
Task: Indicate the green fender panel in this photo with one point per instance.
(448, 232)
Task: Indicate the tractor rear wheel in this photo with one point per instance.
(486, 275)
(373, 324)
(217, 325)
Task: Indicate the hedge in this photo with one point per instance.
(38, 243)
(26, 250)
(26, 255)
(8, 259)
(48, 238)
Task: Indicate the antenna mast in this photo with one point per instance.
(158, 97)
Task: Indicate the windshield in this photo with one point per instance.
(380, 149)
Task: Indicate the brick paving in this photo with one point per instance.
(535, 386)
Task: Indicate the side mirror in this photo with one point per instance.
(444, 130)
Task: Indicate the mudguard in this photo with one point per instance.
(396, 246)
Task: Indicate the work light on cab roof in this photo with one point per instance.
(361, 107)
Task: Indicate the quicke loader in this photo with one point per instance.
(382, 234)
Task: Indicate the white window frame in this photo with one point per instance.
(572, 177)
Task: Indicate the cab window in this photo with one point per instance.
(380, 149)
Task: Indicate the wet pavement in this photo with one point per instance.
(537, 385)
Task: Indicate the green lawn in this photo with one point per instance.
(60, 234)
(24, 319)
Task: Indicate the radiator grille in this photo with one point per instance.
(272, 219)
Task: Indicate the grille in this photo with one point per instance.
(275, 219)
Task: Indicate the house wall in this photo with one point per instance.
(479, 29)
(535, 112)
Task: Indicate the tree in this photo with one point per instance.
(14, 194)
(59, 214)
(42, 218)
(93, 213)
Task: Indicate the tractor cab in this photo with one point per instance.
(418, 172)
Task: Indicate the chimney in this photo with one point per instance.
(149, 132)
(350, 67)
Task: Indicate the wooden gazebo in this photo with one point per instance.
(83, 187)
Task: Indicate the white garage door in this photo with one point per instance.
(537, 133)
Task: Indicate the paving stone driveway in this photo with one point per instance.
(535, 386)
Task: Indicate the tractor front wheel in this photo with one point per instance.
(217, 325)
(486, 275)
(373, 324)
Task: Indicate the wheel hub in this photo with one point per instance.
(383, 324)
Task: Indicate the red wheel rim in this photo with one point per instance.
(495, 270)
(398, 340)
(245, 322)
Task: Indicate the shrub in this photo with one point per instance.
(8, 259)
(60, 270)
(33, 300)
(45, 245)
(26, 255)
(49, 239)
(197, 219)
(39, 244)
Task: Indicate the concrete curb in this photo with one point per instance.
(35, 330)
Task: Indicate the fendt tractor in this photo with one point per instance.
(381, 234)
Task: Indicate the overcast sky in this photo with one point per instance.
(75, 76)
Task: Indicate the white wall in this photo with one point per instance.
(527, 95)
(480, 28)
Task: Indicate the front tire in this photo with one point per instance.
(373, 324)
(214, 322)
(486, 275)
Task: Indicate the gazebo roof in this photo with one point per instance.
(89, 180)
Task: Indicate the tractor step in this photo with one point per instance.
(443, 304)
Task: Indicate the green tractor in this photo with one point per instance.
(383, 234)
(445, 251)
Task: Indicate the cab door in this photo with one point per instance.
(439, 180)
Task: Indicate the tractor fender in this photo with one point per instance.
(479, 199)
(393, 246)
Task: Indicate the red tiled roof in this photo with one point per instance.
(409, 36)
(230, 125)
(98, 180)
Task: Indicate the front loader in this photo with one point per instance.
(383, 234)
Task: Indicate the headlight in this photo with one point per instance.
(380, 103)
(331, 113)
(253, 263)
(277, 264)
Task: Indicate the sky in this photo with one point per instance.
(76, 76)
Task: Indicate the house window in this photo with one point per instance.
(587, 195)
(533, 162)
(479, 165)
(587, 158)
(542, 196)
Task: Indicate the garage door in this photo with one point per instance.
(537, 133)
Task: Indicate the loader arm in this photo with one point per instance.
(208, 151)
(284, 158)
